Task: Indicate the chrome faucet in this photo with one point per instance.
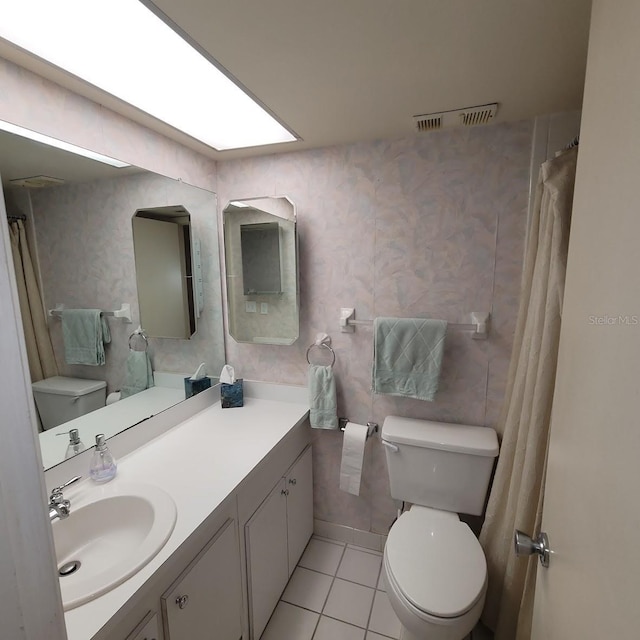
(59, 506)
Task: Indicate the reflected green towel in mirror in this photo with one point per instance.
(84, 332)
(138, 376)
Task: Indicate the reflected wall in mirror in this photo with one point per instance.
(168, 272)
(261, 262)
(82, 248)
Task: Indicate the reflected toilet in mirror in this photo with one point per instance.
(261, 262)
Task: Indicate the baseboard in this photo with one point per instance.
(342, 533)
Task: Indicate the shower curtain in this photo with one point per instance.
(42, 363)
(516, 496)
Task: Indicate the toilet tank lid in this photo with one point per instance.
(461, 438)
(62, 386)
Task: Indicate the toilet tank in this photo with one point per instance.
(60, 399)
(439, 465)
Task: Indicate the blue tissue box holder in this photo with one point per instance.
(192, 387)
(231, 395)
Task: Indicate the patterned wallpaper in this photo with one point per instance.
(429, 226)
(85, 248)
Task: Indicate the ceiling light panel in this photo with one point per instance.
(123, 48)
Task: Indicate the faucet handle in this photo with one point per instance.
(57, 491)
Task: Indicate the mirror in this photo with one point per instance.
(82, 247)
(168, 272)
(261, 262)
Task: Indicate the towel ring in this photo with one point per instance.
(324, 346)
(142, 335)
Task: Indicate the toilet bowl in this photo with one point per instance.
(434, 567)
(435, 574)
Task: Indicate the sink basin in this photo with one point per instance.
(109, 538)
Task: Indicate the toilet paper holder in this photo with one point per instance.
(372, 427)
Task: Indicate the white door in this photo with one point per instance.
(591, 589)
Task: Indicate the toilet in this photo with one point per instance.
(60, 399)
(434, 567)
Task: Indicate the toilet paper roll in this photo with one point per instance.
(113, 397)
(355, 437)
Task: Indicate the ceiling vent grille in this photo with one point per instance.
(478, 115)
(429, 122)
(37, 182)
(468, 117)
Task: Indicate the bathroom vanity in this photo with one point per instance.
(241, 481)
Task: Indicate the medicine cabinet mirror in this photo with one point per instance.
(261, 261)
(168, 272)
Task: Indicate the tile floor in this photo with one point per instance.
(336, 593)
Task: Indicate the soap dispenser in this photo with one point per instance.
(75, 444)
(103, 465)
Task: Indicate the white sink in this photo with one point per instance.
(112, 537)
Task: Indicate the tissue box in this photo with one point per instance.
(231, 395)
(191, 387)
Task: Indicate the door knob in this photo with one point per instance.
(525, 546)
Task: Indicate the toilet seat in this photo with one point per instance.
(426, 543)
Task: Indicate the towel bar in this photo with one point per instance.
(479, 323)
(123, 312)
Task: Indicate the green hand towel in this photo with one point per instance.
(84, 332)
(322, 398)
(139, 375)
(408, 356)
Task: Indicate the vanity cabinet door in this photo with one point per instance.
(205, 603)
(148, 629)
(299, 484)
(267, 557)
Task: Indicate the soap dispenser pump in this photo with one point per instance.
(103, 465)
(75, 444)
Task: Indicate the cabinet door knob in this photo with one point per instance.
(292, 481)
(284, 492)
(182, 601)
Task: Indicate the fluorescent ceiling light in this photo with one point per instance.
(123, 48)
(59, 144)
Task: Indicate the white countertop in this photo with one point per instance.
(200, 462)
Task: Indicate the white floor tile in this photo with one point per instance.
(381, 584)
(367, 539)
(307, 589)
(360, 566)
(349, 602)
(290, 623)
(322, 556)
(375, 636)
(330, 629)
(383, 618)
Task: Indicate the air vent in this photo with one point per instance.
(429, 122)
(478, 115)
(37, 182)
(468, 117)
